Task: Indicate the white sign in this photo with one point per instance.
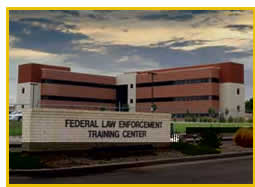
(115, 129)
(62, 125)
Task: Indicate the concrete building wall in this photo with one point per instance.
(28, 95)
(129, 79)
(232, 99)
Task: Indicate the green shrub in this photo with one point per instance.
(244, 137)
(211, 138)
(102, 109)
(125, 107)
(240, 120)
(222, 118)
(214, 120)
(209, 120)
(19, 160)
(250, 120)
(194, 119)
(204, 119)
(191, 149)
(230, 119)
(154, 107)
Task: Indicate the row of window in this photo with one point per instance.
(172, 99)
(178, 82)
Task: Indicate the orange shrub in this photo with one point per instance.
(244, 137)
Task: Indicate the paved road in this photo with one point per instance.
(233, 170)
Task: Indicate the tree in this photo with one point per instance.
(249, 106)
(211, 112)
(154, 107)
(226, 112)
(102, 108)
(187, 113)
(125, 107)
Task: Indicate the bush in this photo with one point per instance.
(250, 120)
(244, 137)
(230, 119)
(194, 119)
(125, 107)
(214, 120)
(238, 120)
(222, 118)
(209, 120)
(204, 119)
(241, 120)
(188, 119)
(211, 138)
(19, 160)
(102, 109)
(191, 149)
(154, 107)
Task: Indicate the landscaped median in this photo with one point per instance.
(59, 163)
(208, 145)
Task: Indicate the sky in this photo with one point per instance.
(110, 42)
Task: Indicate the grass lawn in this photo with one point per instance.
(15, 128)
(181, 127)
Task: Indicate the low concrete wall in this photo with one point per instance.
(47, 129)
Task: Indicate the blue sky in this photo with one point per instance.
(111, 42)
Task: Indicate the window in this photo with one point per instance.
(23, 90)
(22, 106)
(238, 91)
(131, 100)
(238, 108)
(131, 86)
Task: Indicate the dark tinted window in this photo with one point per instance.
(238, 108)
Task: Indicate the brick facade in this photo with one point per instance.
(174, 90)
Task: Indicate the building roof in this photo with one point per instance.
(216, 65)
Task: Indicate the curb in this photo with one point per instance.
(81, 170)
(190, 140)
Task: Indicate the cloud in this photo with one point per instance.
(240, 28)
(67, 12)
(109, 42)
(29, 55)
(48, 24)
(41, 39)
(175, 15)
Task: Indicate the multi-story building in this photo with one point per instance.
(194, 89)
